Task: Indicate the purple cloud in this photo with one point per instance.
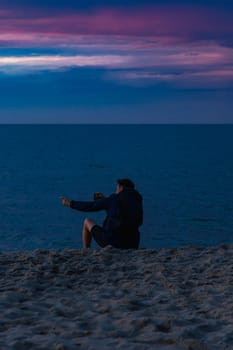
(147, 44)
(186, 23)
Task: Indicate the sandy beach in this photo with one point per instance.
(109, 299)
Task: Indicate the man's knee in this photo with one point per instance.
(89, 223)
(86, 221)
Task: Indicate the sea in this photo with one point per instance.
(184, 173)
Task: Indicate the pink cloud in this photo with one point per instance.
(162, 39)
(170, 22)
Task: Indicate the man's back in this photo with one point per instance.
(131, 212)
(129, 216)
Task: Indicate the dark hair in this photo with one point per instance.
(126, 183)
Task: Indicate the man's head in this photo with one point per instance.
(123, 184)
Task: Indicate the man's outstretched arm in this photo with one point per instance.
(101, 204)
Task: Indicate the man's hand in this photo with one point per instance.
(65, 201)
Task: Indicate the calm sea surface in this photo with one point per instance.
(185, 174)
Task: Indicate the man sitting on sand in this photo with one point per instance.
(124, 216)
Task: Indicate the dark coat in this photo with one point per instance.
(124, 216)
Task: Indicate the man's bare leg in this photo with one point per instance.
(88, 224)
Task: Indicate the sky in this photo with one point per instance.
(115, 61)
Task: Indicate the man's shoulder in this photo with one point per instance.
(130, 193)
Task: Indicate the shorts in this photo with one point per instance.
(99, 236)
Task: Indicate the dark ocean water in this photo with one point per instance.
(185, 174)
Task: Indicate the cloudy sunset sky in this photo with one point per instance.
(90, 61)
